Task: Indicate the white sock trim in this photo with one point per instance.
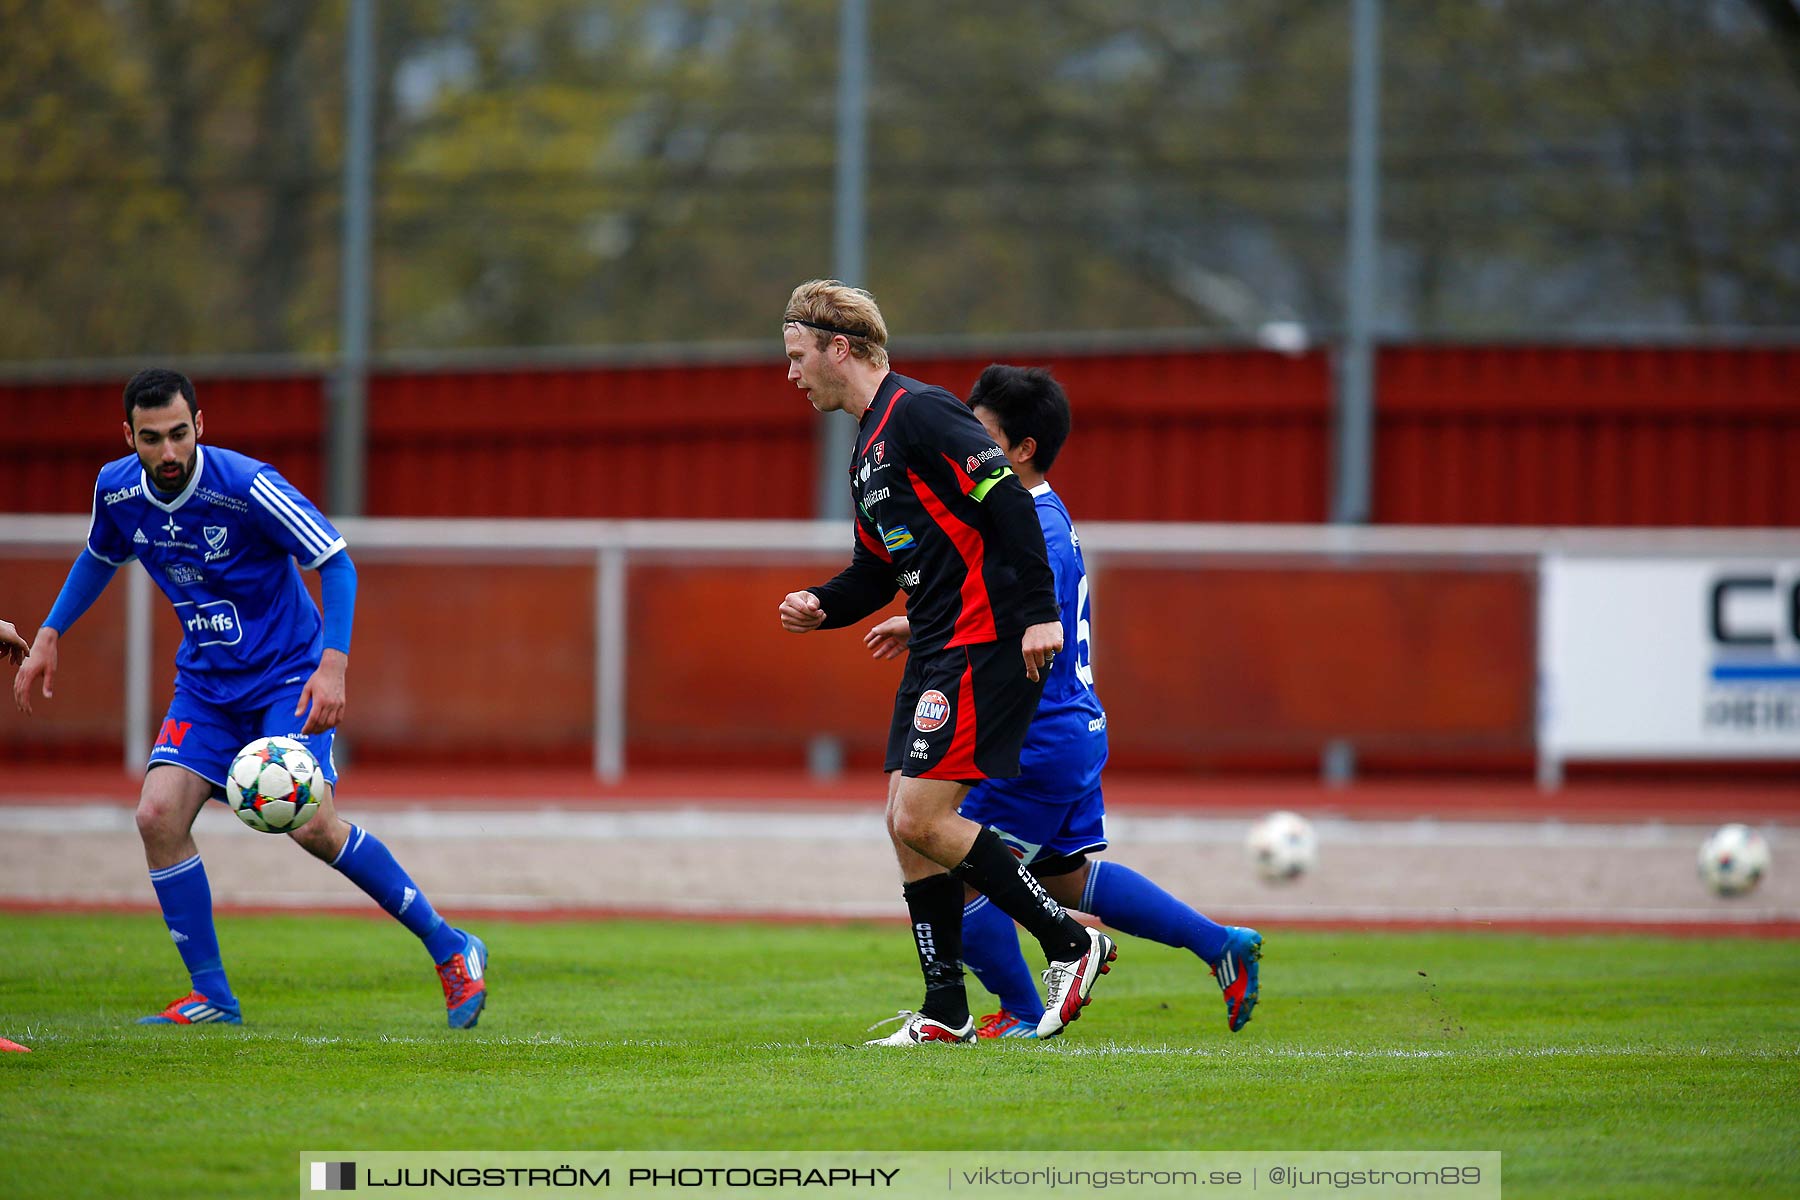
(167, 873)
(350, 843)
(1087, 892)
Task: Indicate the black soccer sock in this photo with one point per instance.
(936, 905)
(991, 869)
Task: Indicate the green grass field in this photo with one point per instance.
(1612, 1066)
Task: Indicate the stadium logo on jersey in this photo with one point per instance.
(932, 711)
(897, 538)
(215, 538)
(183, 574)
(122, 494)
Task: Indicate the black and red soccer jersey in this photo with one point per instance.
(940, 515)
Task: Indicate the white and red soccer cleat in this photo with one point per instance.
(917, 1029)
(1069, 983)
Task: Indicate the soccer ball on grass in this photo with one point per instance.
(274, 785)
(1282, 846)
(1734, 860)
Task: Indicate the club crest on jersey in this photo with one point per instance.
(877, 450)
(932, 711)
(215, 539)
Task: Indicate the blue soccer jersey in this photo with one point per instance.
(1066, 748)
(224, 552)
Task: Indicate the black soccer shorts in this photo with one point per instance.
(962, 713)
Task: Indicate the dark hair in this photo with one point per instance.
(156, 387)
(1030, 404)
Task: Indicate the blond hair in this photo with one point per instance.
(831, 309)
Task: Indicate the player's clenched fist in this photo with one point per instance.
(1039, 647)
(800, 612)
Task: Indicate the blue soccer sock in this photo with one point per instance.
(186, 900)
(1133, 904)
(991, 950)
(368, 864)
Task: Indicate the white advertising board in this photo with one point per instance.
(1646, 658)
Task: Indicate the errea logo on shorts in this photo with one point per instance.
(921, 748)
(932, 711)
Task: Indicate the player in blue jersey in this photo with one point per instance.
(220, 534)
(1052, 814)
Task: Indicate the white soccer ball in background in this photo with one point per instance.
(274, 785)
(1282, 846)
(1734, 860)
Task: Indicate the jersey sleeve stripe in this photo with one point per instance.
(282, 498)
(306, 539)
(329, 551)
(305, 531)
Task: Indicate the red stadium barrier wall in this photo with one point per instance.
(1222, 668)
(1500, 435)
(1588, 436)
(1422, 667)
(1217, 436)
(84, 721)
(59, 435)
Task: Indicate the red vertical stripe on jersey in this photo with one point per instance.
(963, 480)
(876, 548)
(975, 623)
(882, 424)
(959, 760)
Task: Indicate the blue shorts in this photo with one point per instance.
(204, 738)
(1034, 829)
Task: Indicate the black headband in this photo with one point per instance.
(849, 333)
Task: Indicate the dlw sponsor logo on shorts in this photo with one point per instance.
(932, 711)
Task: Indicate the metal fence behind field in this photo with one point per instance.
(495, 640)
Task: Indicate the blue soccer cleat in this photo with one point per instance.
(463, 975)
(195, 1009)
(1236, 972)
(1004, 1024)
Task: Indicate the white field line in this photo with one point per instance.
(40, 1035)
(696, 823)
(1502, 1053)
